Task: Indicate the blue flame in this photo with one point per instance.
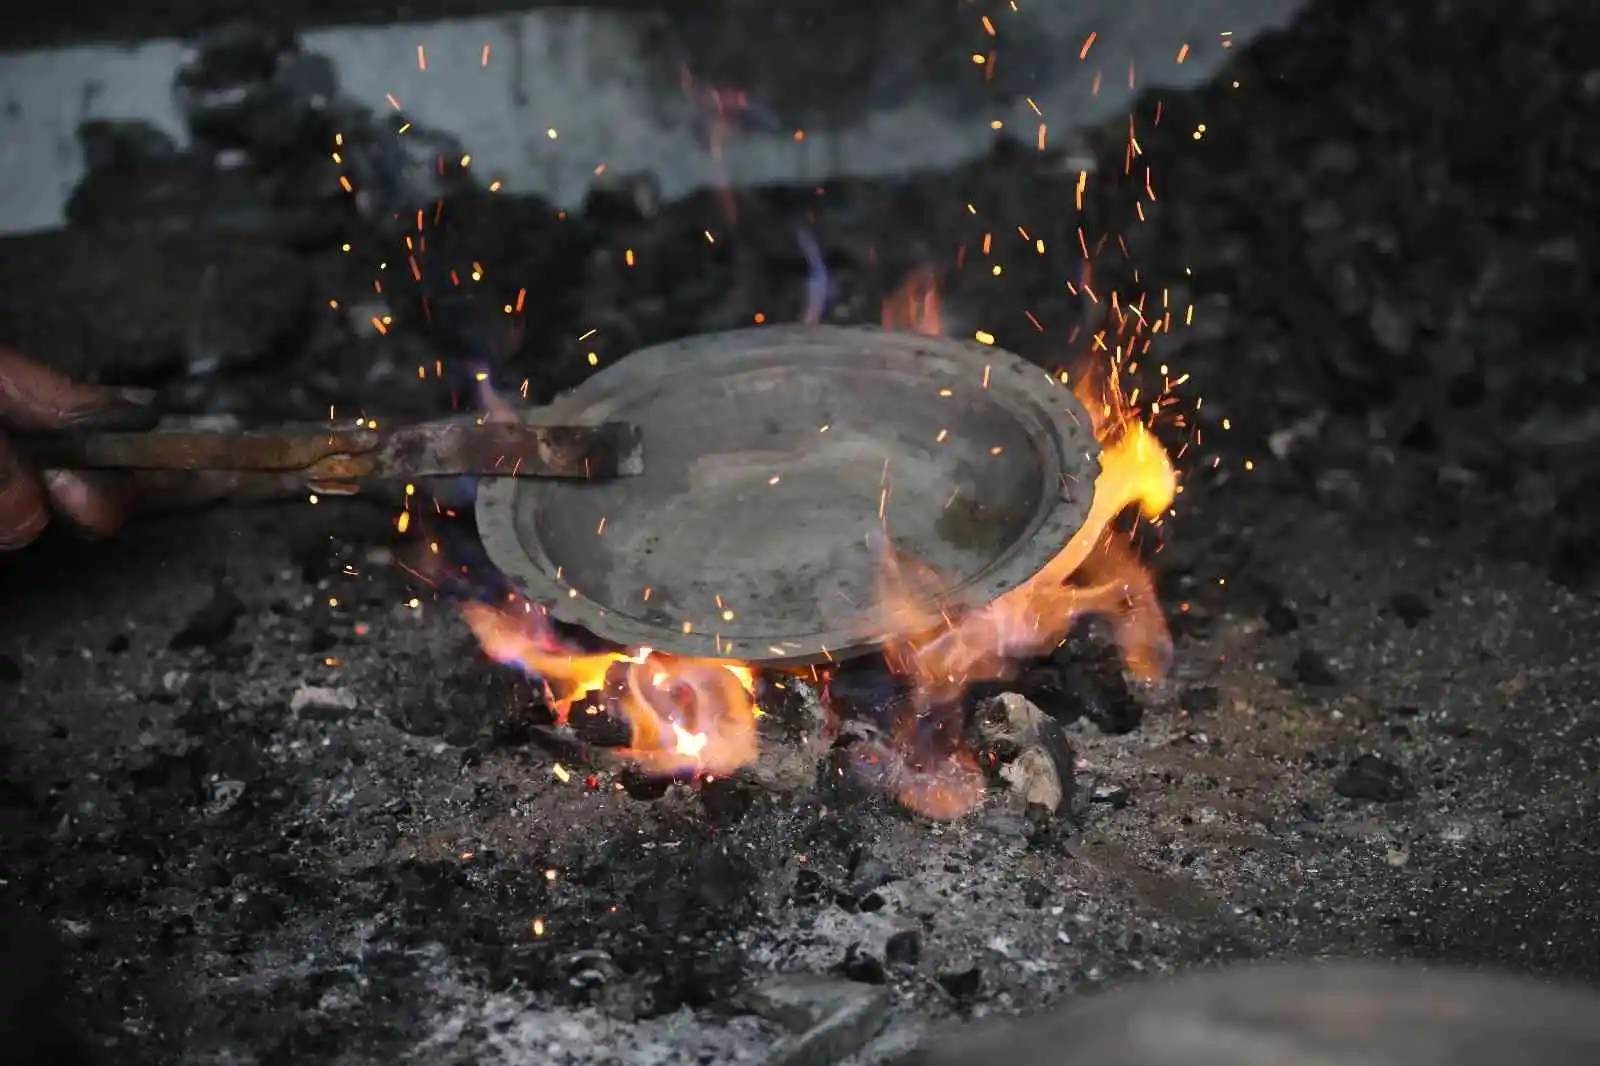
(818, 285)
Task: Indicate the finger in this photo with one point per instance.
(95, 503)
(23, 513)
(33, 396)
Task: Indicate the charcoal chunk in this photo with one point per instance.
(903, 948)
(1310, 668)
(211, 624)
(961, 984)
(861, 967)
(1410, 608)
(1280, 618)
(1374, 779)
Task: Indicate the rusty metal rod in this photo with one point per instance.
(337, 459)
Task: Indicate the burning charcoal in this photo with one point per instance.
(643, 787)
(1373, 778)
(785, 766)
(961, 984)
(858, 770)
(1040, 682)
(1038, 778)
(597, 729)
(833, 1017)
(1189, 621)
(1310, 668)
(903, 948)
(1042, 771)
(1410, 608)
(866, 690)
(1011, 718)
(211, 624)
(792, 700)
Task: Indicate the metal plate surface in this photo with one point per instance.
(775, 460)
(1345, 1013)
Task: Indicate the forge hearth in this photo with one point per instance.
(902, 524)
(786, 731)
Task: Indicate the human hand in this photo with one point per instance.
(34, 397)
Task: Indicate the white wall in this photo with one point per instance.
(565, 69)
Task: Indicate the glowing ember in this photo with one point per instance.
(684, 715)
(942, 788)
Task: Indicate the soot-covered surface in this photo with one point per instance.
(275, 813)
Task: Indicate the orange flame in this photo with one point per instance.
(1097, 573)
(684, 715)
(914, 307)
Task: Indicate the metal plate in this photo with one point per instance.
(1306, 1014)
(755, 530)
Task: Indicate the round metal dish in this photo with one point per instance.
(774, 461)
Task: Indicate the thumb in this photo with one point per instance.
(33, 396)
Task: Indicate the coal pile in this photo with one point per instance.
(1421, 229)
